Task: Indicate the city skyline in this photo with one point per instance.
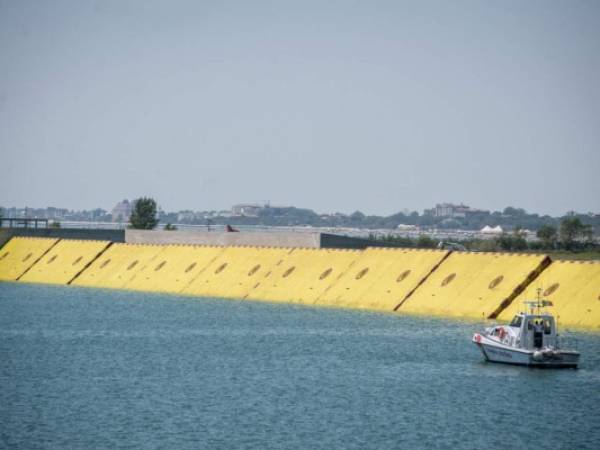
(236, 210)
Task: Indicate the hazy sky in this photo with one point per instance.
(331, 105)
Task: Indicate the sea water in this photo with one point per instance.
(91, 368)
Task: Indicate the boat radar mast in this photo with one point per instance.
(536, 306)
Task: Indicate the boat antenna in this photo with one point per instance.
(535, 307)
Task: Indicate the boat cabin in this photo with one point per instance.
(535, 331)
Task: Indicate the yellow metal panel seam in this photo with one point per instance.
(471, 284)
(379, 278)
(63, 261)
(521, 287)
(90, 263)
(20, 253)
(433, 269)
(574, 289)
(38, 260)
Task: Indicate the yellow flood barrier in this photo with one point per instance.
(235, 271)
(173, 268)
(474, 284)
(20, 253)
(118, 265)
(64, 261)
(259, 262)
(381, 278)
(574, 289)
(303, 275)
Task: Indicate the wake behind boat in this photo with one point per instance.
(531, 339)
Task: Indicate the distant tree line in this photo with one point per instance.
(509, 219)
(571, 235)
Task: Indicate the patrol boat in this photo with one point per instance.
(530, 339)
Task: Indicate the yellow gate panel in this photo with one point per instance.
(234, 271)
(173, 268)
(64, 261)
(304, 275)
(382, 277)
(260, 261)
(239, 270)
(473, 284)
(118, 265)
(574, 289)
(20, 253)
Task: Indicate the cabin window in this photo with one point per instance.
(516, 322)
(547, 327)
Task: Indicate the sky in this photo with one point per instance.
(335, 106)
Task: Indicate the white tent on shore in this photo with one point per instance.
(492, 230)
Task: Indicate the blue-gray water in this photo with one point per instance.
(85, 368)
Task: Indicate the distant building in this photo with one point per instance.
(186, 216)
(452, 210)
(492, 230)
(122, 211)
(56, 213)
(246, 210)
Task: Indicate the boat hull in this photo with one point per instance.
(499, 353)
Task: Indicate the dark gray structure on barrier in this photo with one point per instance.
(339, 241)
(259, 239)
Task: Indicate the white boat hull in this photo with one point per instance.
(495, 351)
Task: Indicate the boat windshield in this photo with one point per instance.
(516, 322)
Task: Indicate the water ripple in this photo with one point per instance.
(83, 368)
